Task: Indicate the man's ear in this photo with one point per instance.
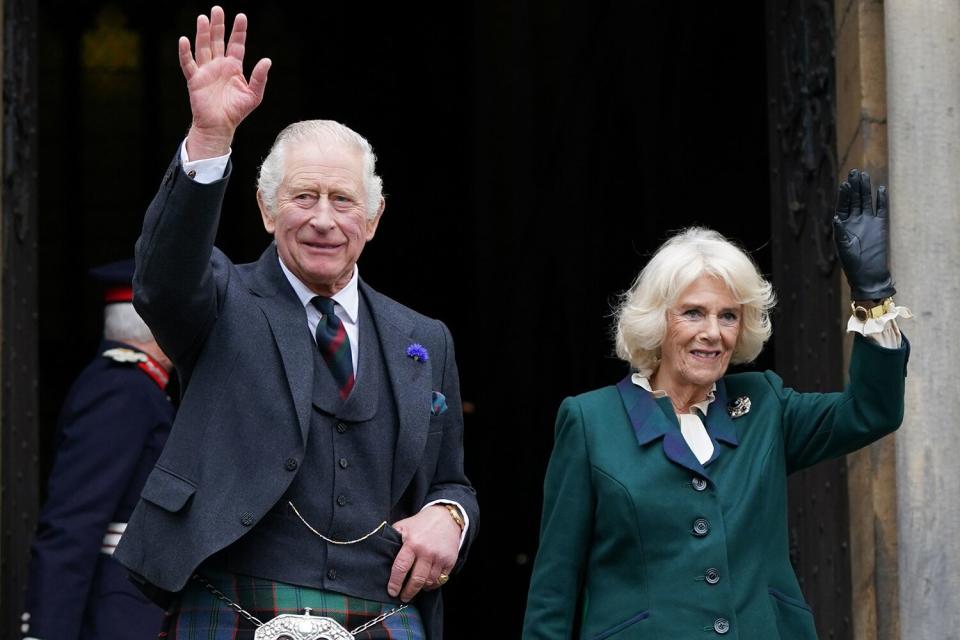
(375, 220)
(268, 222)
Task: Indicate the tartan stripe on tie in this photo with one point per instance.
(200, 616)
(334, 345)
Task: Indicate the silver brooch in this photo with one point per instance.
(739, 407)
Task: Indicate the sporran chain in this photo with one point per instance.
(219, 595)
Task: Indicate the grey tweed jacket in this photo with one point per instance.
(239, 339)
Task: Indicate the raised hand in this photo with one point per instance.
(860, 236)
(220, 96)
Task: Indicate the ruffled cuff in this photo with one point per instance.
(883, 330)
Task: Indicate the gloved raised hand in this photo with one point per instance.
(860, 236)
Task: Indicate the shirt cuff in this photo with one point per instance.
(883, 330)
(463, 514)
(204, 171)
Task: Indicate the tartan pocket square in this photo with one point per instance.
(438, 404)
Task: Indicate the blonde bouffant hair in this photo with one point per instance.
(641, 315)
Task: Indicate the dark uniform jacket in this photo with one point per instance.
(112, 428)
(640, 541)
(238, 335)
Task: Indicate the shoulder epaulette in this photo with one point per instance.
(120, 354)
(144, 362)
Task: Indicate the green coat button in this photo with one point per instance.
(700, 527)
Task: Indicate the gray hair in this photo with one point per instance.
(122, 323)
(641, 315)
(318, 131)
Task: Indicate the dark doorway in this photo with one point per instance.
(533, 155)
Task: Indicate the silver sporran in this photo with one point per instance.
(302, 627)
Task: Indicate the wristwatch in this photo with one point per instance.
(861, 313)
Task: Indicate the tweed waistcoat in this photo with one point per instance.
(341, 489)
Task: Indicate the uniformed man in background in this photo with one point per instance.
(112, 427)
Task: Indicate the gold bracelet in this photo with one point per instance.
(455, 514)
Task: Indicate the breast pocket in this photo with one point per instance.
(167, 490)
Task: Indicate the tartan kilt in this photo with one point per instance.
(199, 615)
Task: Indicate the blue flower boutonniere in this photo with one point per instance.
(418, 352)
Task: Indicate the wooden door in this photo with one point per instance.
(808, 337)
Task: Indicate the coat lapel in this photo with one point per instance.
(411, 382)
(288, 323)
(654, 418)
(719, 425)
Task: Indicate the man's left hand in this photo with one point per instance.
(431, 544)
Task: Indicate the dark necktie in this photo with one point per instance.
(334, 345)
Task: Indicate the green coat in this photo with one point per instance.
(639, 540)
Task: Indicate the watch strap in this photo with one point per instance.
(455, 514)
(863, 313)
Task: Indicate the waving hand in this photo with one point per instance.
(860, 235)
(220, 95)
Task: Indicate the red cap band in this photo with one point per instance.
(118, 294)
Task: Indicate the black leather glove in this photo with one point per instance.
(860, 236)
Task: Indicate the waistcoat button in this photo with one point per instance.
(343, 463)
(342, 500)
(332, 574)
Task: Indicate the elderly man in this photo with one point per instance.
(314, 475)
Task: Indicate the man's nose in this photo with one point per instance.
(322, 217)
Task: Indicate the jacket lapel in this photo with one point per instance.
(288, 323)
(653, 419)
(719, 425)
(411, 383)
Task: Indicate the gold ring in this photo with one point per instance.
(442, 579)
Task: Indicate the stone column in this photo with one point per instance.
(871, 477)
(871, 472)
(923, 106)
